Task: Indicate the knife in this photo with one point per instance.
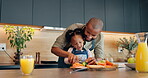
(77, 70)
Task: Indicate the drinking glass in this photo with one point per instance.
(26, 64)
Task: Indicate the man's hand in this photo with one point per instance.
(91, 61)
(72, 58)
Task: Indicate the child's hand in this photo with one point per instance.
(72, 58)
(91, 61)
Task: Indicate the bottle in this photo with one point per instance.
(142, 53)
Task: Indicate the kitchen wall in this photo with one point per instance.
(43, 40)
(110, 42)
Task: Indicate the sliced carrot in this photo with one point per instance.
(109, 66)
(76, 65)
(109, 63)
(103, 64)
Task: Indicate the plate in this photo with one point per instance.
(131, 65)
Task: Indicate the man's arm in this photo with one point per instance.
(60, 43)
(59, 52)
(99, 48)
(98, 51)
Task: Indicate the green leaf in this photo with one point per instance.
(25, 46)
(127, 44)
(18, 35)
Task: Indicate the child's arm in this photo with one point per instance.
(66, 59)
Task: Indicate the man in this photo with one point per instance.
(92, 35)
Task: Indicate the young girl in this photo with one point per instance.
(74, 37)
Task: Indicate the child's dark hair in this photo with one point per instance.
(71, 33)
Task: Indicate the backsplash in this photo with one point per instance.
(43, 39)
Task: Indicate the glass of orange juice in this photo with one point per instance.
(27, 64)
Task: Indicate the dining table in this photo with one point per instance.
(65, 73)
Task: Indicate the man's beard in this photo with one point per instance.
(85, 36)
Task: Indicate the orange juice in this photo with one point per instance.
(27, 65)
(142, 57)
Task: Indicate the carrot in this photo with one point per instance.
(109, 63)
(103, 64)
(109, 66)
(76, 65)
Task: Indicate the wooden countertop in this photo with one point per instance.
(64, 73)
(37, 66)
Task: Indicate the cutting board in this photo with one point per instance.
(102, 69)
(97, 69)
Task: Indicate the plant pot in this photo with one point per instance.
(17, 56)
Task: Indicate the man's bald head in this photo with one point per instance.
(96, 23)
(93, 28)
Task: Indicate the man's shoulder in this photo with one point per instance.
(74, 26)
(99, 38)
(101, 34)
(78, 24)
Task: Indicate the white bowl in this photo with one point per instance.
(131, 65)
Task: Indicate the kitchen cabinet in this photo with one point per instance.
(132, 16)
(117, 15)
(16, 11)
(114, 15)
(95, 8)
(72, 11)
(46, 13)
(144, 15)
(0, 9)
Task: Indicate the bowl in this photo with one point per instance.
(131, 65)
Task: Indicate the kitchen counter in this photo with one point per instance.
(64, 73)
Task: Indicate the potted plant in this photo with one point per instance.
(129, 44)
(17, 37)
